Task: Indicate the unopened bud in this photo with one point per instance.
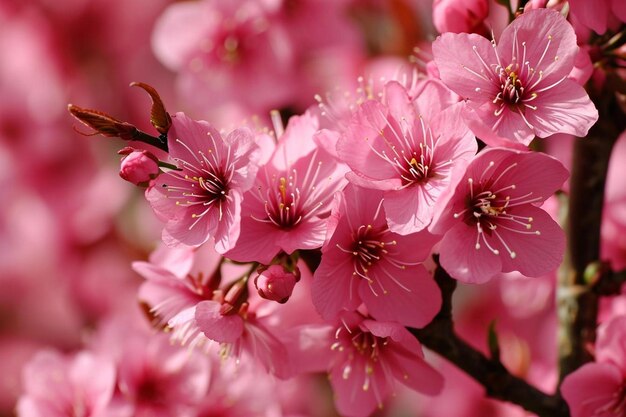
(138, 166)
(275, 283)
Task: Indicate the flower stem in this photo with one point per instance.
(499, 383)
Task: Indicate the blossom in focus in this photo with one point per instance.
(492, 222)
(202, 200)
(288, 206)
(407, 148)
(58, 386)
(598, 389)
(364, 262)
(369, 358)
(518, 88)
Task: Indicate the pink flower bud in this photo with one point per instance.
(138, 166)
(275, 283)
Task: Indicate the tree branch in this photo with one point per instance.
(499, 383)
(577, 298)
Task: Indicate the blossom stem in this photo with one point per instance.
(577, 299)
(499, 383)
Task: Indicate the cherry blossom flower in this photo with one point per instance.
(363, 261)
(518, 88)
(492, 222)
(288, 207)
(226, 53)
(203, 199)
(368, 359)
(59, 386)
(408, 149)
(186, 294)
(598, 389)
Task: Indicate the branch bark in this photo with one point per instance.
(499, 383)
(577, 297)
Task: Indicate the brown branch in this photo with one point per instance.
(498, 382)
(578, 301)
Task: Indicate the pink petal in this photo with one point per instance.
(592, 386)
(351, 399)
(363, 135)
(433, 98)
(413, 371)
(460, 258)
(535, 255)
(408, 296)
(334, 288)
(455, 57)
(215, 326)
(565, 108)
(255, 243)
(409, 210)
(542, 30)
(592, 14)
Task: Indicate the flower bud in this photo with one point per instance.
(138, 166)
(275, 283)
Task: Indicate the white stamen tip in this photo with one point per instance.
(513, 255)
(477, 246)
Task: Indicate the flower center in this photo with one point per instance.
(490, 208)
(361, 350)
(367, 249)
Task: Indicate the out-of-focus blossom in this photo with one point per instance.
(492, 221)
(202, 199)
(58, 386)
(460, 16)
(597, 389)
(226, 52)
(599, 15)
(518, 88)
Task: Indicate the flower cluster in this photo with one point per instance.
(319, 246)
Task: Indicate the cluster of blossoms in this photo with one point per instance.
(314, 247)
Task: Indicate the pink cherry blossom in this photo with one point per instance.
(598, 389)
(460, 16)
(202, 200)
(59, 386)
(287, 209)
(369, 358)
(518, 88)
(364, 262)
(226, 53)
(492, 221)
(407, 148)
